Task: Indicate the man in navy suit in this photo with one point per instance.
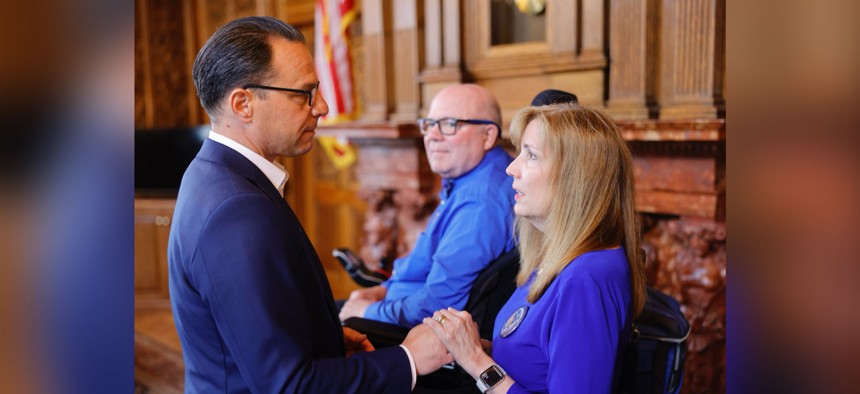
(250, 299)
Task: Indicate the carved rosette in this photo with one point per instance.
(687, 259)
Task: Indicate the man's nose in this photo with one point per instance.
(434, 132)
(320, 107)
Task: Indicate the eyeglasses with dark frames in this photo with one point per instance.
(312, 93)
(449, 126)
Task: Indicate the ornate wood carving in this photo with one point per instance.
(632, 50)
(687, 259)
(692, 57)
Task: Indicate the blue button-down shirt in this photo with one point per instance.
(470, 228)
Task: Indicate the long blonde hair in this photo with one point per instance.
(591, 196)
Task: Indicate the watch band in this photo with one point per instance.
(491, 377)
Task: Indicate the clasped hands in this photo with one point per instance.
(449, 335)
(459, 334)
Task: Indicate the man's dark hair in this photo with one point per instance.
(553, 96)
(237, 54)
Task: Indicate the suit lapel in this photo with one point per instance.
(218, 153)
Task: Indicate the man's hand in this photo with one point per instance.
(359, 299)
(373, 294)
(427, 351)
(355, 342)
(353, 308)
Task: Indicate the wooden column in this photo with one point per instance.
(632, 55)
(378, 60)
(443, 60)
(408, 58)
(592, 50)
(692, 59)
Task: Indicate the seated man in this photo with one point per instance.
(470, 228)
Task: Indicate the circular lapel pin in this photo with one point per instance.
(514, 321)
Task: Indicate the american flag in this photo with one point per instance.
(333, 64)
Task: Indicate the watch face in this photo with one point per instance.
(492, 376)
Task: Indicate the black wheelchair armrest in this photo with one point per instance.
(380, 334)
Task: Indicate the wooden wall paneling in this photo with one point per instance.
(295, 12)
(557, 54)
(592, 50)
(443, 48)
(196, 114)
(152, 220)
(250, 8)
(432, 34)
(563, 30)
(378, 92)
(408, 58)
(691, 59)
(588, 85)
(165, 93)
(632, 59)
(451, 35)
(210, 14)
(143, 106)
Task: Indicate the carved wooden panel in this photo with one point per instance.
(164, 98)
(632, 50)
(691, 59)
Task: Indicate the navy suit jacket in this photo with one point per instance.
(250, 299)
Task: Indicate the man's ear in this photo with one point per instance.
(490, 137)
(241, 103)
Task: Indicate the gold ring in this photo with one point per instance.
(441, 319)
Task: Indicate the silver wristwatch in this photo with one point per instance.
(491, 377)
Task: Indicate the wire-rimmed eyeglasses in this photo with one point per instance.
(448, 126)
(312, 93)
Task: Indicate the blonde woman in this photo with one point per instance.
(581, 281)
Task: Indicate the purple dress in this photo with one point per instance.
(568, 340)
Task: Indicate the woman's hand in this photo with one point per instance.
(459, 333)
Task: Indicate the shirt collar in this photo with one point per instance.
(274, 171)
(447, 186)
